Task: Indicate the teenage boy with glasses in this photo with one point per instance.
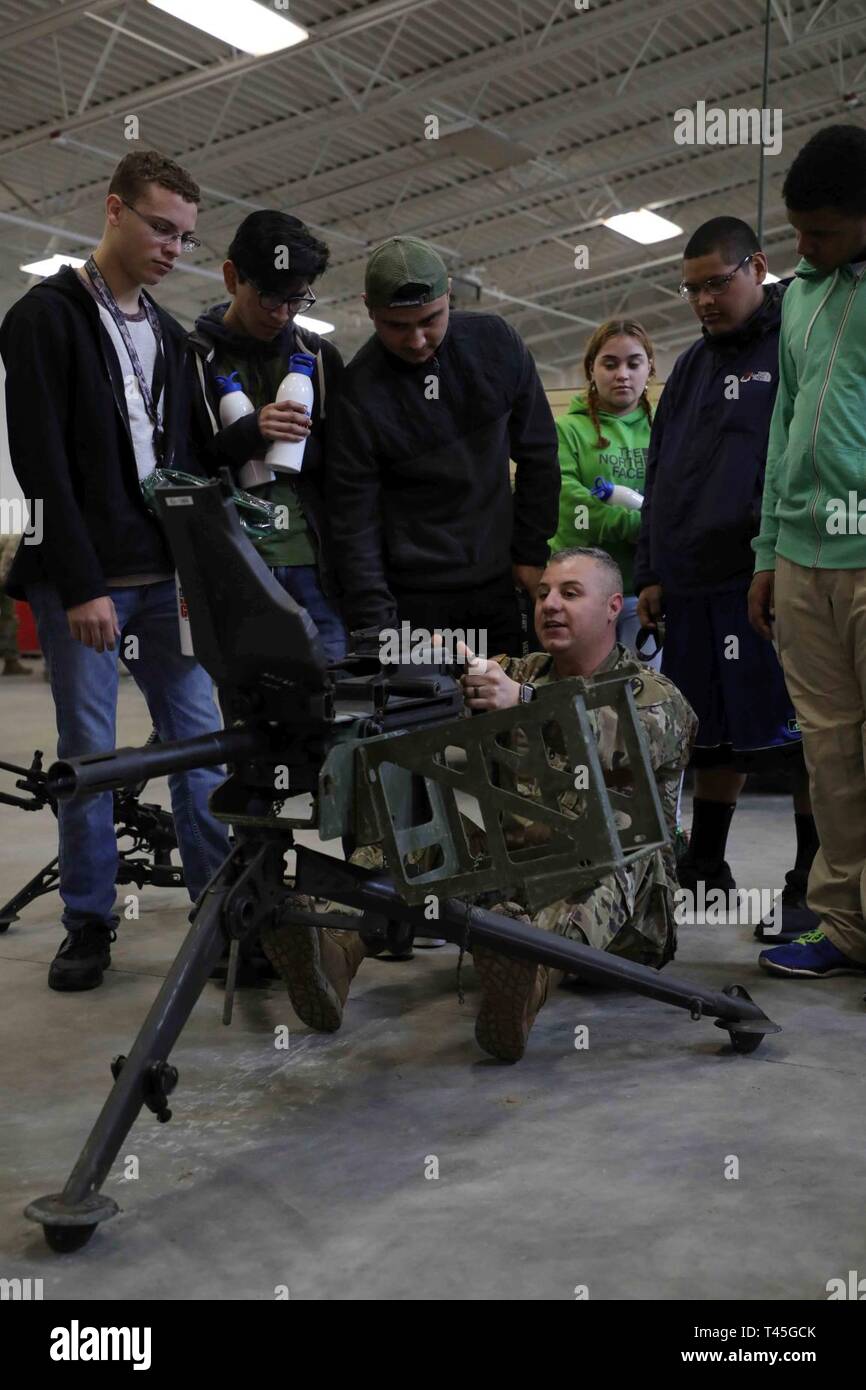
(704, 480)
(254, 335)
(98, 387)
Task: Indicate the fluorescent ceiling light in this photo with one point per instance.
(51, 265)
(770, 278)
(315, 325)
(242, 23)
(643, 226)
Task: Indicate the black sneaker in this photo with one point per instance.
(797, 918)
(84, 955)
(690, 873)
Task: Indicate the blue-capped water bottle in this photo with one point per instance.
(287, 455)
(234, 404)
(617, 494)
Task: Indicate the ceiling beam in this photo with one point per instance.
(32, 30)
(345, 26)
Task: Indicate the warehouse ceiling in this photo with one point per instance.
(551, 116)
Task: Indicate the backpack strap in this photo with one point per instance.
(320, 372)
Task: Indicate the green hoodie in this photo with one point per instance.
(817, 448)
(581, 461)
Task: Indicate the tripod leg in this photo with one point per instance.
(40, 883)
(69, 1218)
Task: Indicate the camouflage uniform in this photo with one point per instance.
(8, 615)
(629, 912)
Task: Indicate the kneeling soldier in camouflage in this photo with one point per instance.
(629, 912)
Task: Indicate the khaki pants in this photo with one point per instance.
(821, 637)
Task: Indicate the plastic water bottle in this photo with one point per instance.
(616, 494)
(286, 455)
(234, 404)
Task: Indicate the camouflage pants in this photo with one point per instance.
(8, 627)
(629, 913)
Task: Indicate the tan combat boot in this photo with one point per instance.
(512, 993)
(317, 966)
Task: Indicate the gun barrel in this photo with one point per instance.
(103, 772)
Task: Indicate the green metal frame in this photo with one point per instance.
(406, 797)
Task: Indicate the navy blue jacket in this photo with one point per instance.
(707, 454)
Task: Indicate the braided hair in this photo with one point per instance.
(614, 328)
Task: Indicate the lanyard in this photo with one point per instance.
(106, 298)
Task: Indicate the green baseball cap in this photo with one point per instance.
(404, 271)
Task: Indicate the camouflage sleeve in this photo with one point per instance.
(524, 669)
(670, 737)
(511, 665)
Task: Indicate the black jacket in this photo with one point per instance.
(707, 455)
(70, 441)
(418, 487)
(241, 441)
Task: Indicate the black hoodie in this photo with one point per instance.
(70, 441)
(419, 492)
(262, 366)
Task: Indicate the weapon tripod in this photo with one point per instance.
(373, 748)
(150, 828)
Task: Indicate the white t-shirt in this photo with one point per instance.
(139, 422)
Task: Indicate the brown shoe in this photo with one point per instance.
(14, 667)
(512, 993)
(317, 967)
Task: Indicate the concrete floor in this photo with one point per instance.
(305, 1169)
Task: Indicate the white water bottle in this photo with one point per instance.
(617, 495)
(234, 404)
(183, 622)
(287, 455)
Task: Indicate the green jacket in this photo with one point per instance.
(581, 461)
(817, 448)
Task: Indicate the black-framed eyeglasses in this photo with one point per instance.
(298, 303)
(164, 231)
(717, 284)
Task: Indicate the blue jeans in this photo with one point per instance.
(180, 699)
(302, 582)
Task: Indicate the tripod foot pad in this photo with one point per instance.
(56, 1211)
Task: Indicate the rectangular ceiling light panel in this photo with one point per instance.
(51, 265)
(643, 226)
(242, 23)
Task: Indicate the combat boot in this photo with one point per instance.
(317, 966)
(512, 993)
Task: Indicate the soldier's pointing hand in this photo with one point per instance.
(485, 684)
